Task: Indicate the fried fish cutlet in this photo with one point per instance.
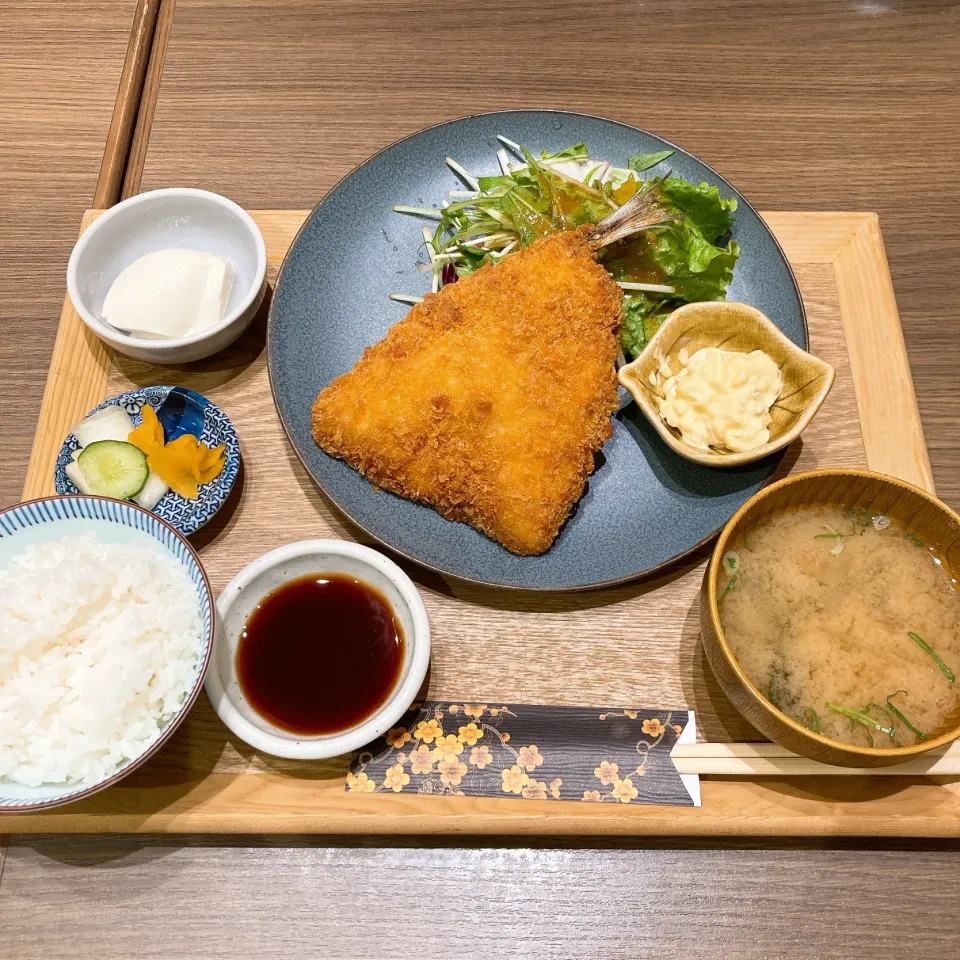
(489, 399)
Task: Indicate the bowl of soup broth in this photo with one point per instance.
(830, 615)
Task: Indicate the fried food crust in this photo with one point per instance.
(489, 399)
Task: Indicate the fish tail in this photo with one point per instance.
(642, 211)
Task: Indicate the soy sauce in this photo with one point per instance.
(320, 654)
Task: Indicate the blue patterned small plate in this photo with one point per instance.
(180, 411)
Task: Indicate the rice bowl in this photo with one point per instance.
(98, 646)
(105, 636)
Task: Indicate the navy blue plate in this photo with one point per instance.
(644, 506)
(180, 411)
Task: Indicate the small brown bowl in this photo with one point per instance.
(930, 519)
(733, 326)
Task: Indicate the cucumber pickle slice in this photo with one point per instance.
(114, 468)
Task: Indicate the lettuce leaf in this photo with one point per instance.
(702, 204)
(697, 269)
(689, 256)
(687, 251)
(642, 315)
(577, 152)
(644, 161)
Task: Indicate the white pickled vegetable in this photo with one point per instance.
(151, 493)
(77, 478)
(111, 423)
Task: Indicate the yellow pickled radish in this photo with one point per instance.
(184, 463)
(149, 435)
(175, 470)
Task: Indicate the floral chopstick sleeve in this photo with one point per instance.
(529, 752)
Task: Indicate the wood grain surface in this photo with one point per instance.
(66, 898)
(148, 100)
(76, 383)
(126, 108)
(60, 64)
(810, 104)
(803, 104)
(491, 644)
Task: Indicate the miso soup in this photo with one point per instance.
(848, 623)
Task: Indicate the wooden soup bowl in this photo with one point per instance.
(932, 521)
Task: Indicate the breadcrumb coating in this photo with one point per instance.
(489, 399)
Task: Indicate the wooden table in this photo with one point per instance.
(814, 104)
(60, 63)
(803, 104)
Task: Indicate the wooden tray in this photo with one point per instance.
(636, 644)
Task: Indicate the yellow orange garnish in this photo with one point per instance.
(184, 463)
(210, 463)
(175, 470)
(149, 435)
(625, 191)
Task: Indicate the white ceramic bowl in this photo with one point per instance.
(113, 521)
(265, 574)
(160, 219)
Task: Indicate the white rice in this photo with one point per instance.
(99, 644)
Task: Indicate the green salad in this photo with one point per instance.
(687, 259)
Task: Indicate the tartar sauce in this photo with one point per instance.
(721, 398)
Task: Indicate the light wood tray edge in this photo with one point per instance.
(270, 802)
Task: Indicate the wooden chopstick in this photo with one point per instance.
(771, 760)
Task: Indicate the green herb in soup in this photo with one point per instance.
(830, 609)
